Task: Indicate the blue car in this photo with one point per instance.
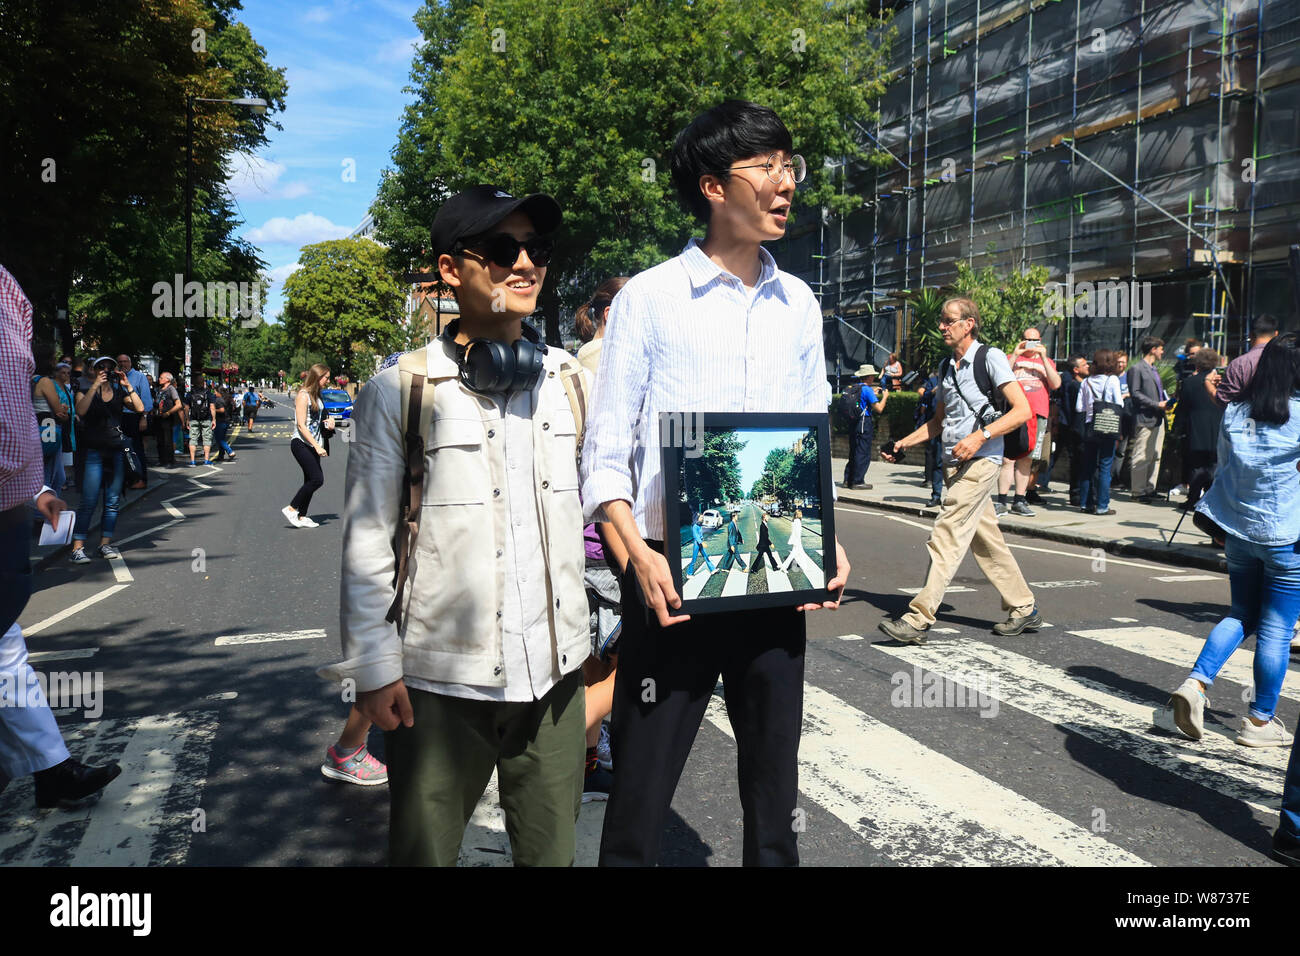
(337, 403)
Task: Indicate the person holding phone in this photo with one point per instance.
(1038, 376)
(101, 409)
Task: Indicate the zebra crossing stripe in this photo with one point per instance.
(918, 807)
(1174, 647)
(143, 818)
(1042, 692)
(737, 581)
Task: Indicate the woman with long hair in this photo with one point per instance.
(52, 413)
(225, 402)
(589, 322)
(1255, 499)
(1098, 449)
(308, 444)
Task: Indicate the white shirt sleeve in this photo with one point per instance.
(999, 367)
(626, 366)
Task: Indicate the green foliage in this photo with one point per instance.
(926, 341)
(788, 475)
(715, 473)
(1008, 302)
(900, 413)
(99, 90)
(584, 102)
(262, 351)
(344, 302)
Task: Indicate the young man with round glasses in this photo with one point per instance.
(733, 168)
(466, 642)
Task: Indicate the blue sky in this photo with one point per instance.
(760, 442)
(346, 63)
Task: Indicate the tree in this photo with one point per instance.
(343, 302)
(584, 103)
(714, 474)
(262, 351)
(92, 154)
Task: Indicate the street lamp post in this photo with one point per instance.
(257, 105)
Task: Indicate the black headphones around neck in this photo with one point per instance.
(490, 367)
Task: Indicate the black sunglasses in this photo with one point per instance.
(502, 249)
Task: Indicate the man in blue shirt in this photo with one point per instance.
(870, 403)
(134, 426)
(697, 535)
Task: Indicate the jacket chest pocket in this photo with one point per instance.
(455, 464)
(560, 437)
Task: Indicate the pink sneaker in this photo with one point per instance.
(360, 768)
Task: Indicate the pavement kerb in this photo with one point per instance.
(1123, 547)
(128, 502)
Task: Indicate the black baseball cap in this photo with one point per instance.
(476, 210)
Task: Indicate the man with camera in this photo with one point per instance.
(860, 405)
(1038, 377)
(972, 431)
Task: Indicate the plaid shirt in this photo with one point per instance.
(21, 465)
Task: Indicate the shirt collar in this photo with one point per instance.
(701, 270)
(971, 352)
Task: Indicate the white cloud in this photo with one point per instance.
(251, 178)
(301, 230)
(401, 50)
(280, 273)
(317, 15)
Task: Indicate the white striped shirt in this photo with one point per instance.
(687, 336)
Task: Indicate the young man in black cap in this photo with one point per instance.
(735, 169)
(467, 640)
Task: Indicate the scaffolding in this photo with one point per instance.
(1119, 140)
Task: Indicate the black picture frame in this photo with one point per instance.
(681, 433)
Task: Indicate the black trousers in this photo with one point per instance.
(1072, 442)
(312, 475)
(766, 549)
(131, 429)
(855, 472)
(665, 681)
(162, 434)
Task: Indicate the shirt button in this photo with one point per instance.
(496, 670)
(492, 433)
(546, 484)
(496, 492)
(499, 552)
(498, 613)
(564, 659)
(546, 426)
(557, 602)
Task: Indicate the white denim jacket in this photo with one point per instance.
(452, 621)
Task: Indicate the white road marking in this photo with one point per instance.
(693, 585)
(141, 818)
(1047, 585)
(1173, 647)
(919, 807)
(149, 533)
(68, 612)
(269, 637)
(951, 589)
(120, 571)
(849, 637)
(1023, 547)
(73, 654)
(1124, 620)
(778, 581)
(1174, 578)
(810, 570)
(1045, 693)
(737, 581)
(944, 630)
(227, 695)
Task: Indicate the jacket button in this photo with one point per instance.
(546, 484)
(492, 433)
(546, 426)
(496, 670)
(500, 552)
(496, 492)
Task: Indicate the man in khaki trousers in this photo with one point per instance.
(972, 459)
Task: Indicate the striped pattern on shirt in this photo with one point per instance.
(21, 465)
(687, 336)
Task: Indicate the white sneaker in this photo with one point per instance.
(603, 757)
(1179, 492)
(1272, 734)
(1188, 703)
(290, 516)
(305, 522)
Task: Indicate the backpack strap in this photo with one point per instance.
(573, 378)
(417, 416)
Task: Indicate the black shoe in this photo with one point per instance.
(1286, 849)
(1033, 497)
(596, 786)
(935, 502)
(71, 781)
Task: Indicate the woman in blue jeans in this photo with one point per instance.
(101, 410)
(1255, 498)
(1098, 450)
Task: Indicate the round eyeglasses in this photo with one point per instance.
(776, 169)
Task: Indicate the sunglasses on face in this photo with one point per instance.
(503, 249)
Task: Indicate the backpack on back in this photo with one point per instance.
(199, 402)
(1016, 444)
